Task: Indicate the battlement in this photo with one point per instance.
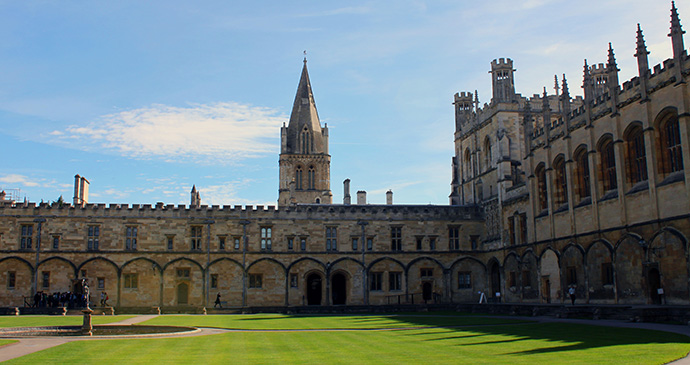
(597, 69)
(464, 95)
(502, 63)
(300, 211)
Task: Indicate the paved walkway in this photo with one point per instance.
(27, 346)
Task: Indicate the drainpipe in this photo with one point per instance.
(244, 261)
(40, 221)
(365, 295)
(208, 223)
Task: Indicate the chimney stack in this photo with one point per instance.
(347, 200)
(361, 197)
(81, 191)
(389, 197)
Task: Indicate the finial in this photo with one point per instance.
(641, 46)
(305, 56)
(555, 83)
(565, 86)
(612, 58)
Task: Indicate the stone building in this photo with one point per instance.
(588, 192)
(548, 192)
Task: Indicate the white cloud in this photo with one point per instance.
(219, 132)
(19, 180)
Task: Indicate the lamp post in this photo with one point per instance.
(208, 224)
(40, 221)
(365, 297)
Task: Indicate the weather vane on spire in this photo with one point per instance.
(305, 56)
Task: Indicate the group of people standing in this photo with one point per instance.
(59, 299)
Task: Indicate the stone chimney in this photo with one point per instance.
(389, 197)
(81, 191)
(361, 197)
(347, 199)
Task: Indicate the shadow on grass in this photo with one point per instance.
(562, 337)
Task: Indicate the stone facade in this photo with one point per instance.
(593, 192)
(548, 192)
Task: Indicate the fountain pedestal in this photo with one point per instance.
(87, 327)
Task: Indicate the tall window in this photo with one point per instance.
(26, 240)
(331, 239)
(637, 159)
(355, 242)
(560, 181)
(376, 281)
(608, 165)
(487, 154)
(93, 234)
(432, 243)
(196, 237)
(56, 242)
(131, 238)
(170, 240)
(370, 243)
(303, 243)
(221, 243)
(453, 238)
(11, 279)
(214, 281)
(45, 279)
(571, 275)
(511, 230)
(468, 164)
(396, 238)
(306, 142)
(523, 228)
(464, 280)
(542, 195)
(582, 166)
(236, 242)
(311, 177)
(266, 238)
(290, 243)
(255, 281)
(419, 243)
(394, 281)
(671, 151)
(298, 178)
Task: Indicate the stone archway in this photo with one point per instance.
(314, 289)
(339, 289)
(654, 284)
(495, 276)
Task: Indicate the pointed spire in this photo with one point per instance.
(677, 42)
(587, 84)
(642, 63)
(555, 84)
(565, 89)
(304, 108)
(476, 100)
(193, 188)
(612, 70)
(565, 100)
(612, 60)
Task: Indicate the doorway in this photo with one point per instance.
(654, 285)
(426, 291)
(314, 289)
(182, 294)
(339, 292)
(495, 281)
(546, 289)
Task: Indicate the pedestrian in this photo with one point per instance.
(105, 300)
(102, 299)
(571, 292)
(217, 303)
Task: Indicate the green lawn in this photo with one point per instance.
(477, 340)
(33, 321)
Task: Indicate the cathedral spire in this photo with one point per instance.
(587, 84)
(677, 42)
(565, 102)
(304, 108)
(642, 63)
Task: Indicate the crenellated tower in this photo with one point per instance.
(502, 80)
(304, 159)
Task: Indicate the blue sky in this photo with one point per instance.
(145, 99)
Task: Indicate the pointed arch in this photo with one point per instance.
(280, 264)
(99, 258)
(153, 263)
(311, 177)
(237, 263)
(298, 177)
(342, 259)
(542, 193)
(27, 263)
(386, 258)
(183, 259)
(669, 141)
(292, 264)
(72, 265)
(560, 181)
(582, 179)
(635, 154)
(607, 163)
(411, 263)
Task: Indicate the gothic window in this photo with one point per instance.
(394, 281)
(27, 236)
(454, 238)
(298, 178)
(11, 279)
(511, 230)
(487, 154)
(331, 239)
(464, 280)
(266, 238)
(468, 164)
(608, 164)
(376, 281)
(196, 237)
(396, 238)
(310, 174)
(523, 227)
(131, 281)
(671, 152)
(542, 201)
(93, 234)
(255, 281)
(306, 142)
(45, 282)
(221, 243)
(582, 167)
(56, 242)
(560, 182)
(131, 238)
(636, 155)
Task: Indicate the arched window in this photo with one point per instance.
(636, 155)
(582, 172)
(487, 154)
(671, 151)
(298, 178)
(468, 164)
(560, 181)
(542, 200)
(306, 142)
(608, 164)
(310, 174)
